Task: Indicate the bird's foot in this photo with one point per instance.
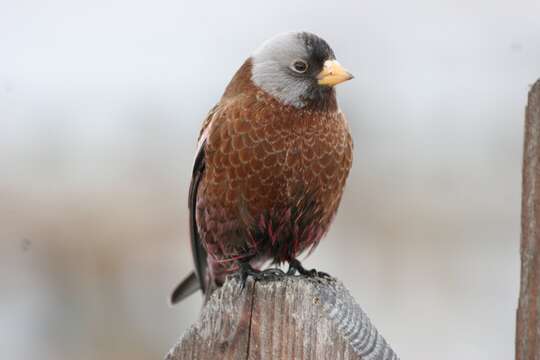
(296, 266)
(268, 274)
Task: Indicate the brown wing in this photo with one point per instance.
(197, 250)
(199, 278)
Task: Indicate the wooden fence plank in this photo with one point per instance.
(528, 315)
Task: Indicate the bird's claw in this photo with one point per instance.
(257, 275)
(295, 266)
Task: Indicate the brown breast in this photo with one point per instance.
(273, 179)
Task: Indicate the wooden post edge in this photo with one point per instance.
(528, 313)
(291, 318)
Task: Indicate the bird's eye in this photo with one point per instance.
(300, 66)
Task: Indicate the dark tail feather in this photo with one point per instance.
(187, 287)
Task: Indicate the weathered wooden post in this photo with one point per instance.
(528, 314)
(293, 318)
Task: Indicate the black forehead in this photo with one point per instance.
(317, 48)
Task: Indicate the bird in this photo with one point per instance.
(272, 160)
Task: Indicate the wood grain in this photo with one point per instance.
(293, 318)
(528, 315)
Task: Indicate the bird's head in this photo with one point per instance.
(297, 68)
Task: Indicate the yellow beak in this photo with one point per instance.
(333, 73)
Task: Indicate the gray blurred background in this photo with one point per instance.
(100, 106)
